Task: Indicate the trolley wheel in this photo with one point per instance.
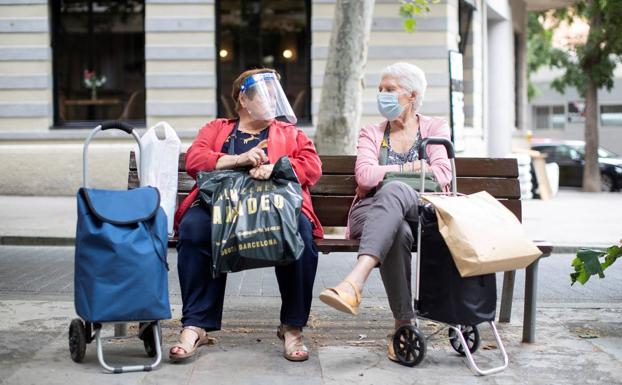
(409, 345)
(471, 336)
(77, 340)
(146, 335)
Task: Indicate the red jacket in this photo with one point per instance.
(284, 139)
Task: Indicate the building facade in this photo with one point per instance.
(67, 64)
(560, 116)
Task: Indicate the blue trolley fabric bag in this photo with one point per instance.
(120, 260)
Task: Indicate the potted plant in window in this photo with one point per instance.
(92, 81)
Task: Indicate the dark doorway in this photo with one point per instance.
(265, 33)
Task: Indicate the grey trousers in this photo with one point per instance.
(385, 224)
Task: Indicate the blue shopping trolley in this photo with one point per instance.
(121, 271)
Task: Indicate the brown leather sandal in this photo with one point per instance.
(293, 346)
(189, 349)
(342, 300)
(390, 351)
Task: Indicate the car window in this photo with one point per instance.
(603, 153)
(574, 154)
(546, 150)
(561, 153)
(567, 153)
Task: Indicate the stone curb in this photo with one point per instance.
(17, 240)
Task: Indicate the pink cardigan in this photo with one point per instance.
(369, 173)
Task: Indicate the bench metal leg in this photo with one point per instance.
(507, 295)
(531, 290)
(120, 330)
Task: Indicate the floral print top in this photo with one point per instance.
(411, 155)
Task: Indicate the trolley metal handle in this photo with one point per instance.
(108, 125)
(436, 140)
(450, 154)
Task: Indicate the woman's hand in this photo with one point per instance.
(261, 172)
(414, 166)
(253, 157)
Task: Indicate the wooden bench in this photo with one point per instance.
(333, 195)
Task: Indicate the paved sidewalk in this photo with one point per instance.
(578, 332)
(575, 219)
(36, 292)
(45, 272)
(344, 350)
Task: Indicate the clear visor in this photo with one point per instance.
(265, 98)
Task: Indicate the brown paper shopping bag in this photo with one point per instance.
(482, 234)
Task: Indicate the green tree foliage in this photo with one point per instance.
(587, 66)
(595, 60)
(410, 8)
(593, 262)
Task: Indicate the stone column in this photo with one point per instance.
(500, 82)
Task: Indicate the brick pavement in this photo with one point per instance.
(44, 270)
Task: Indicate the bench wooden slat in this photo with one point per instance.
(499, 188)
(338, 164)
(345, 185)
(334, 185)
(333, 195)
(331, 164)
(333, 210)
(184, 182)
(468, 167)
(487, 167)
(181, 164)
(329, 245)
(344, 165)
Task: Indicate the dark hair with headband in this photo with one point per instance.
(237, 83)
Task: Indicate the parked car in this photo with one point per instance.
(569, 156)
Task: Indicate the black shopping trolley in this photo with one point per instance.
(442, 295)
(121, 273)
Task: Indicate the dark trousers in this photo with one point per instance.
(203, 295)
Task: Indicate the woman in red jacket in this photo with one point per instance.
(256, 140)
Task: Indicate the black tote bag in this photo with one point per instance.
(254, 222)
(444, 295)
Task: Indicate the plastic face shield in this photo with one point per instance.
(265, 99)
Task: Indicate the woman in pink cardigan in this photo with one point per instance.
(384, 219)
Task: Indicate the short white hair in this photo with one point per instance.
(409, 77)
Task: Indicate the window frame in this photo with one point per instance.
(54, 7)
(307, 50)
(550, 115)
(600, 114)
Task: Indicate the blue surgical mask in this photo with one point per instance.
(388, 105)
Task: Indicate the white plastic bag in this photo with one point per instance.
(160, 157)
